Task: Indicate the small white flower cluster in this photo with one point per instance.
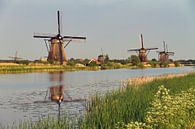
(167, 111)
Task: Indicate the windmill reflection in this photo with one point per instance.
(56, 77)
(57, 92)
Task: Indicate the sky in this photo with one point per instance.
(113, 25)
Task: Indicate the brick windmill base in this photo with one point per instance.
(54, 53)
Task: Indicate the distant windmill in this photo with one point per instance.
(102, 57)
(56, 48)
(142, 52)
(15, 57)
(164, 55)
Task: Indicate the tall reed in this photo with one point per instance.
(130, 103)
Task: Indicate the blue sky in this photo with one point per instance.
(114, 25)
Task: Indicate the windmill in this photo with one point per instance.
(102, 57)
(142, 52)
(56, 51)
(164, 55)
(15, 57)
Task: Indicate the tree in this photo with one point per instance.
(153, 63)
(135, 60)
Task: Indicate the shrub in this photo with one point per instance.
(177, 64)
(168, 112)
(135, 60)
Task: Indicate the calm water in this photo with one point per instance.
(19, 93)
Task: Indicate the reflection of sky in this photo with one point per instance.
(113, 25)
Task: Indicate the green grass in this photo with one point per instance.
(43, 123)
(129, 104)
(43, 68)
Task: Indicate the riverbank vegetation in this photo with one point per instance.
(46, 123)
(78, 64)
(131, 105)
(167, 111)
(38, 67)
(162, 102)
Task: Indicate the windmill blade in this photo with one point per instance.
(151, 48)
(18, 58)
(11, 57)
(170, 53)
(59, 28)
(74, 37)
(159, 51)
(142, 41)
(133, 50)
(164, 45)
(167, 48)
(42, 35)
(102, 51)
(46, 44)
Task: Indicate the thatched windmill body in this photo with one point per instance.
(55, 48)
(142, 52)
(164, 55)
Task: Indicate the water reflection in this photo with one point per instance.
(56, 77)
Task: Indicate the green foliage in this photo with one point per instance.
(168, 112)
(193, 61)
(175, 111)
(43, 123)
(164, 64)
(73, 61)
(121, 61)
(154, 60)
(129, 104)
(112, 65)
(93, 63)
(140, 65)
(153, 63)
(51, 61)
(177, 64)
(24, 62)
(135, 60)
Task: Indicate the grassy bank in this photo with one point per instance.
(127, 104)
(130, 103)
(46, 67)
(46, 123)
(33, 67)
(42, 68)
